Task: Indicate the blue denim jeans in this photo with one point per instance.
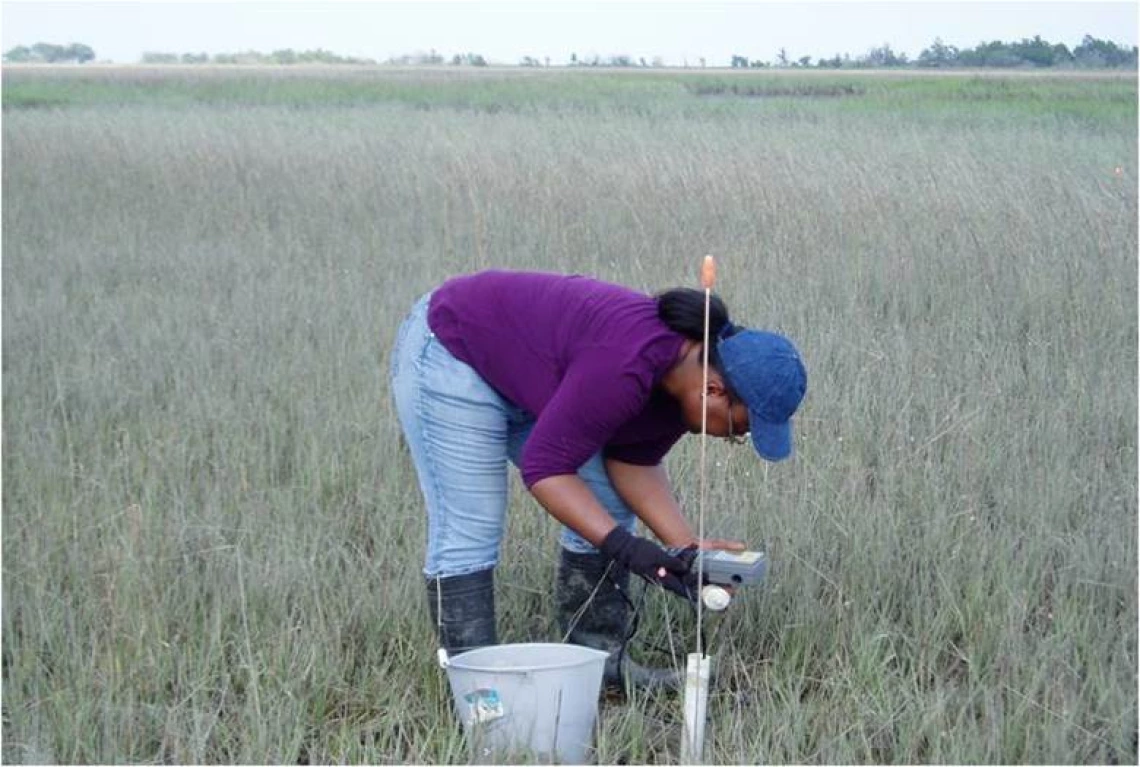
(462, 434)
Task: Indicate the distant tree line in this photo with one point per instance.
(284, 57)
(615, 61)
(1028, 53)
(433, 58)
(47, 53)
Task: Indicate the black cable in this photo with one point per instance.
(635, 621)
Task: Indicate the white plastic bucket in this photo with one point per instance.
(541, 699)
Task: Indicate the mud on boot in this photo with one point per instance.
(604, 623)
(462, 608)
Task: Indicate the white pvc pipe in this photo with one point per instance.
(696, 707)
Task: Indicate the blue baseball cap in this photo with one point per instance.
(765, 371)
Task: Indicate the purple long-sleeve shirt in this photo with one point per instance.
(583, 356)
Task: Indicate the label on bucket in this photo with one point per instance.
(483, 705)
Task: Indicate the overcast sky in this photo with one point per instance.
(505, 31)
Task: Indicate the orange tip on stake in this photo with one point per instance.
(708, 273)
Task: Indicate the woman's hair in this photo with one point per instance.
(683, 311)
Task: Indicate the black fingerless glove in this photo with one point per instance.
(651, 562)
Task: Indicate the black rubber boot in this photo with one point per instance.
(462, 607)
(604, 623)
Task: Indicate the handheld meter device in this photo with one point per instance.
(731, 568)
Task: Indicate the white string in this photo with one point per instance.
(704, 479)
(439, 612)
(441, 646)
(698, 722)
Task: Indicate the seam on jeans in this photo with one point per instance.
(394, 366)
(429, 457)
(397, 349)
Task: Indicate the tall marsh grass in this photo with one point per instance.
(212, 535)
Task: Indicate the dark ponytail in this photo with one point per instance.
(683, 311)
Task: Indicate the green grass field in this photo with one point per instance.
(212, 535)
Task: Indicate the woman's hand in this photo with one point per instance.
(721, 544)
